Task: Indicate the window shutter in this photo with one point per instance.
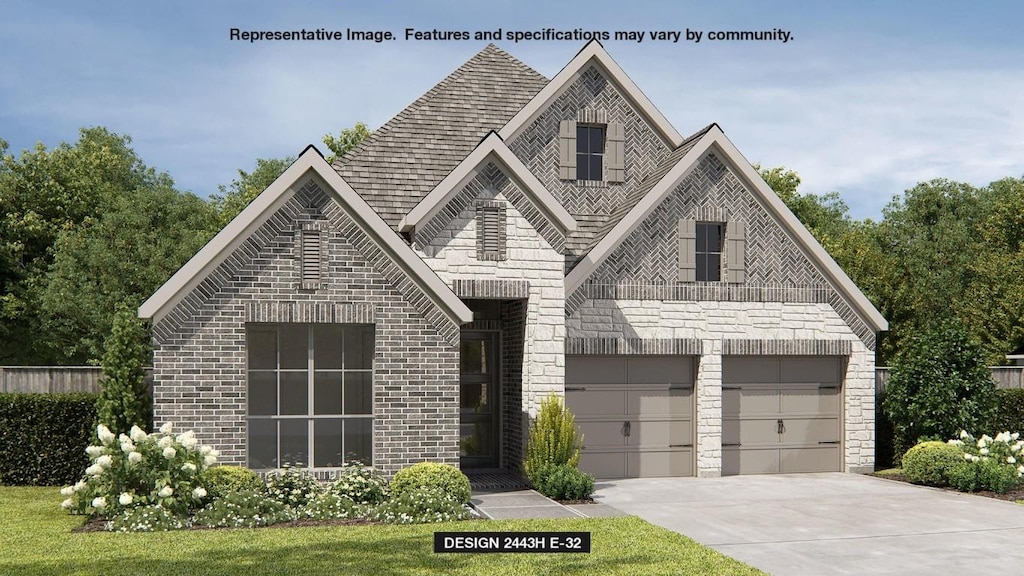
(490, 228)
(615, 160)
(310, 258)
(567, 150)
(687, 250)
(736, 252)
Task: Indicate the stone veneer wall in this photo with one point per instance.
(200, 358)
(737, 328)
(532, 265)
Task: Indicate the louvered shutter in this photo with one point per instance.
(687, 250)
(310, 258)
(615, 161)
(736, 252)
(567, 150)
(490, 221)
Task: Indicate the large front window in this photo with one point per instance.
(310, 394)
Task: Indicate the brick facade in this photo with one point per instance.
(200, 361)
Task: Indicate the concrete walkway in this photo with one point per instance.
(533, 504)
(832, 523)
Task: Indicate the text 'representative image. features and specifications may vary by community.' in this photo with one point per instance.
(686, 35)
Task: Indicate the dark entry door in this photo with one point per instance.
(478, 400)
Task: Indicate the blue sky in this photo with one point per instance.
(867, 99)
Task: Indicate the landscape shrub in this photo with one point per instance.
(446, 478)
(972, 476)
(147, 518)
(930, 462)
(361, 484)
(1009, 413)
(939, 386)
(124, 396)
(138, 469)
(553, 439)
(293, 486)
(244, 509)
(222, 480)
(327, 506)
(565, 483)
(420, 505)
(43, 437)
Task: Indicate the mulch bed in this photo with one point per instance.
(1012, 495)
(574, 502)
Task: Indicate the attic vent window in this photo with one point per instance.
(490, 228)
(310, 258)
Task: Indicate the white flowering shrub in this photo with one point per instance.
(148, 518)
(293, 486)
(361, 484)
(328, 506)
(420, 506)
(243, 509)
(138, 469)
(989, 463)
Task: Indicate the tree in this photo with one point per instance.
(939, 386)
(117, 258)
(44, 193)
(929, 237)
(993, 303)
(236, 196)
(124, 397)
(346, 140)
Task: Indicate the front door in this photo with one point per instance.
(478, 400)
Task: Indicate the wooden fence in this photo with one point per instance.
(41, 379)
(1004, 377)
(86, 378)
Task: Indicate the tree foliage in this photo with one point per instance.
(44, 194)
(234, 197)
(939, 386)
(124, 397)
(345, 141)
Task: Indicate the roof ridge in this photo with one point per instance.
(429, 95)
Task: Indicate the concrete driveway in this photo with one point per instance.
(810, 524)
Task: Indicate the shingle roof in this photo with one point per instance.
(407, 157)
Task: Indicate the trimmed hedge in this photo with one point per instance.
(930, 463)
(43, 437)
(1010, 411)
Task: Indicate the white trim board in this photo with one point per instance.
(309, 164)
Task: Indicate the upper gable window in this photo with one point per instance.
(709, 251)
(590, 152)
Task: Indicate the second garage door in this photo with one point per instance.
(635, 412)
(781, 414)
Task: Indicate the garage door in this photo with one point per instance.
(636, 414)
(781, 415)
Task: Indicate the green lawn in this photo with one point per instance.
(35, 538)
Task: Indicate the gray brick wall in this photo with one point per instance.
(199, 347)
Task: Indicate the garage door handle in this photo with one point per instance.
(781, 426)
(625, 428)
(829, 442)
(574, 388)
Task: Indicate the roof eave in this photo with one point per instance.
(715, 138)
(593, 51)
(492, 147)
(309, 163)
